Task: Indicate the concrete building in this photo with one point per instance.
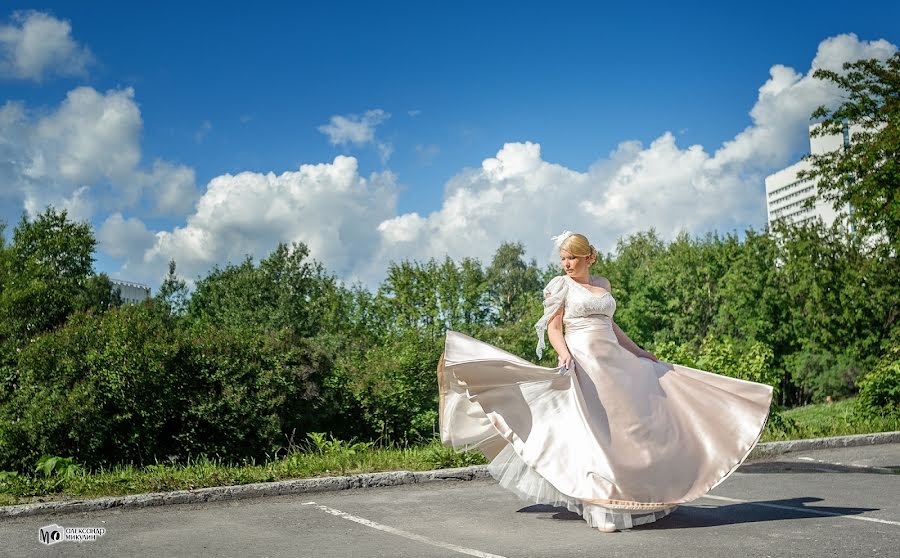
(786, 194)
(131, 293)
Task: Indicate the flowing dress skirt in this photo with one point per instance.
(621, 440)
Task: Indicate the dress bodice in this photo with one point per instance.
(581, 302)
(578, 303)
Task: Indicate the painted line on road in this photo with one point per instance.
(400, 532)
(805, 510)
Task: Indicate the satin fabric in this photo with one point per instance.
(620, 439)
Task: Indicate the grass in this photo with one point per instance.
(339, 458)
(829, 419)
(335, 457)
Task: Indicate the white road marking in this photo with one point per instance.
(805, 510)
(407, 534)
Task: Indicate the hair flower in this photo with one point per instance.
(559, 239)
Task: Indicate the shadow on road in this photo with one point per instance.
(815, 467)
(697, 515)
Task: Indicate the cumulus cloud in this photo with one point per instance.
(91, 135)
(516, 195)
(83, 156)
(351, 225)
(172, 188)
(35, 45)
(123, 238)
(358, 130)
(329, 207)
(785, 102)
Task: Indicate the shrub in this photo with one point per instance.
(395, 386)
(126, 386)
(723, 356)
(879, 390)
(820, 374)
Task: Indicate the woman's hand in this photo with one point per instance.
(566, 360)
(647, 354)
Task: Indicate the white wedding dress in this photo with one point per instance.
(618, 439)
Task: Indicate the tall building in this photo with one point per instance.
(786, 194)
(131, 293)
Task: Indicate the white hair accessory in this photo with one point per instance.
(558, 240)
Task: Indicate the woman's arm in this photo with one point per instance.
(627, 343)
(555, 334)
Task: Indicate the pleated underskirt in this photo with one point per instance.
(516, 476)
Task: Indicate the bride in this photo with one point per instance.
(612, 433)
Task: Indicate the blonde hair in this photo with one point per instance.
(578, 245)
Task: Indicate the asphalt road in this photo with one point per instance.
(843, 502)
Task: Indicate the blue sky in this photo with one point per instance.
(223, 88)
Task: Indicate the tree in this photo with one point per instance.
(286, 290)
(866, 174)
(173, 292)
(510, 279)
(47, 275)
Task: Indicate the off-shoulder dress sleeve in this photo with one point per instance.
(554, 298)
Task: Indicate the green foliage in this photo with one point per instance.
(340, 452)
(511, 280)
(820, 374)
(173, 293)
(682, 354)
(879, 390)
(431, 297)
(126, 386)
(865, 175)
(260, 353)
(285, 291)
(438, 456)
(46, 276)
(395, 389)
(51, 465)
(723, 356)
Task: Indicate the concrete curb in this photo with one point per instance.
(369, 480)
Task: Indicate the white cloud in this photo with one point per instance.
(83, 156)
(172, 187)
(37, 45)
(781, 114)
(91, 135)
(359, 131)
(329, 207)
(202, 131)
(427, 153)
(123, 238)
(353, 128)
(516, 195)
(351, 225)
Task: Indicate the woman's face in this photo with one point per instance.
(574, 266)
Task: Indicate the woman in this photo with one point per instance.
(612, 433)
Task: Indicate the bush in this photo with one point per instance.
(820, 374)
(723, 356)
(126, 386)
(395, 386)
(879, 390)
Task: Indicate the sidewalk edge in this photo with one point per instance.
(370, 480)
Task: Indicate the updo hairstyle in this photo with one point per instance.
(578, 245)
